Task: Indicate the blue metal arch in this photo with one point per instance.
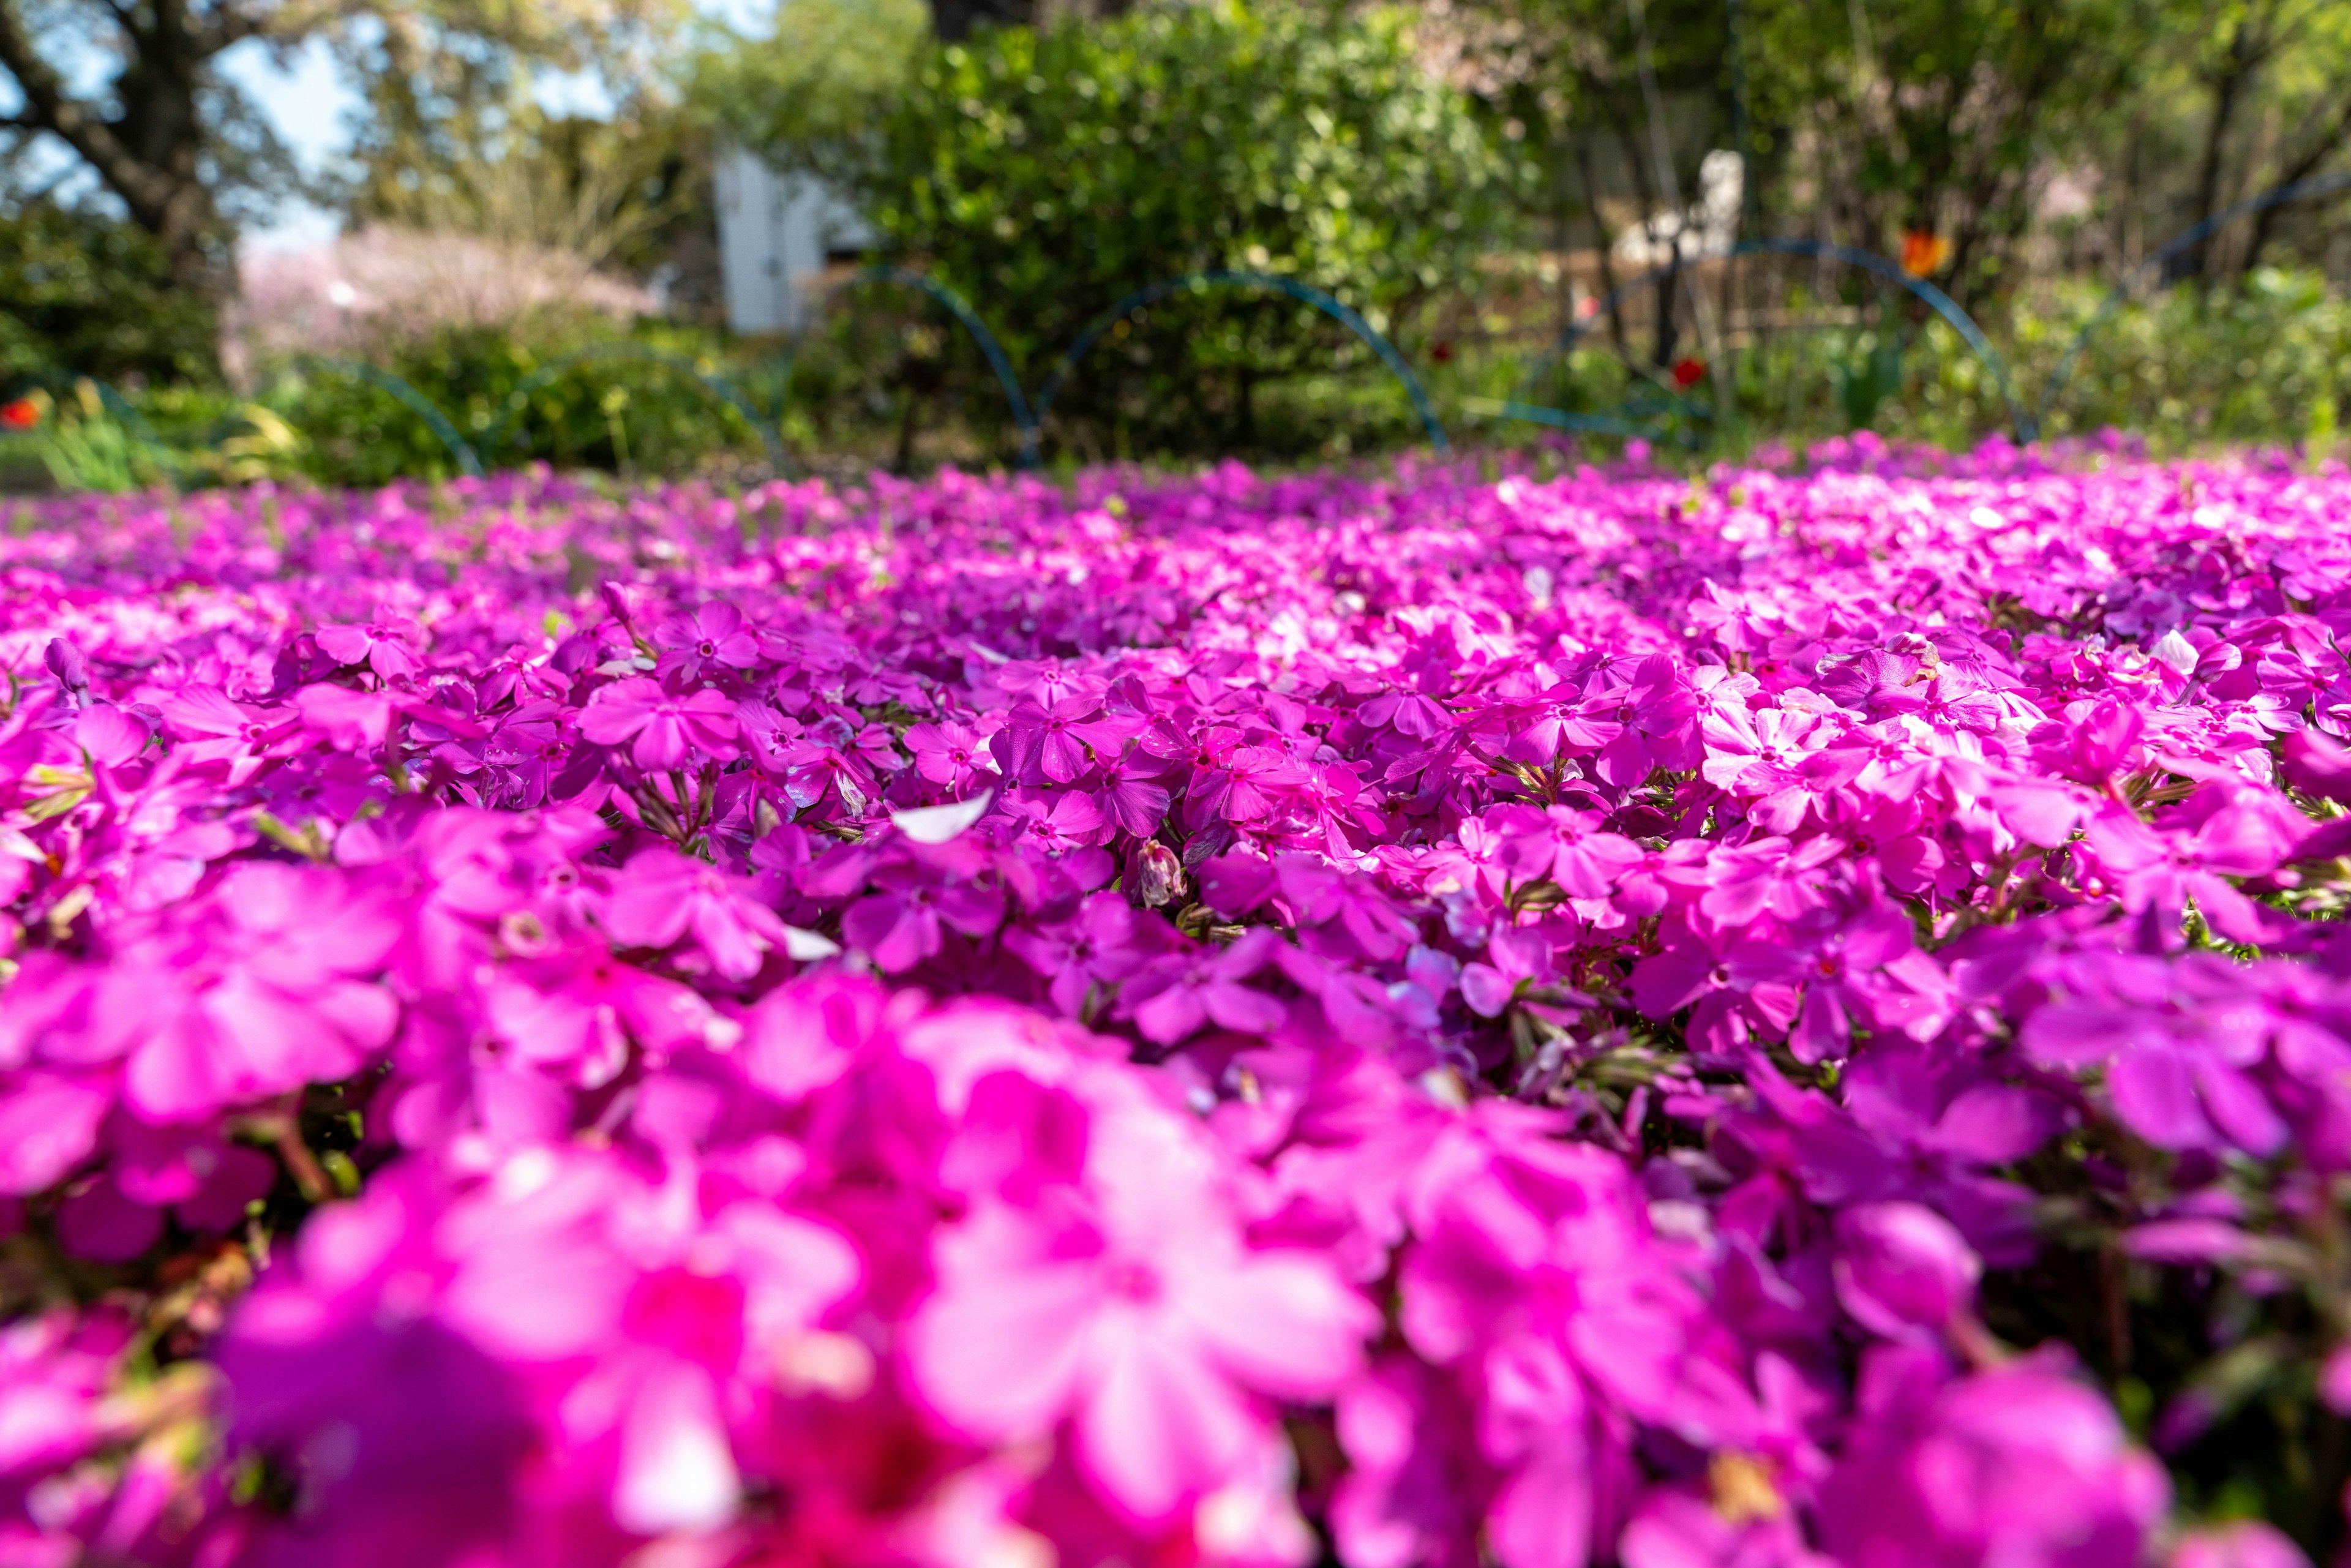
(960, 309)
(1942, 304)
(718, 386)
(415, 402)
(1305, 293)
(2162, 257)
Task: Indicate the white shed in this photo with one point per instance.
(775, 232)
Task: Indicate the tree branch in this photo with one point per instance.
(49, 107)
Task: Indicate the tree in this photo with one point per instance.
(1047, 174)
(827, 72)
(1935, 115)
(167, 136)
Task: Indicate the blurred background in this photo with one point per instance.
(346, 242)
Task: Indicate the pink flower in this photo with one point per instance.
(1140, 1316)
(912, 907)
(385, 645)
(2015, 1465)
(711, 635)
(1099, 948)
(1902, 1270)
(668, 731)
(1172, 997)
(1055, 826)
(284, 997)
(660, 896)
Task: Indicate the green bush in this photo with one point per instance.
(2270, 361)
(84, 295)
(625, 404)
(1045, 175)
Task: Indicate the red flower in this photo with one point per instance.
(1923, 254)
(22, 414)
(1442, 353)
(1687, 373)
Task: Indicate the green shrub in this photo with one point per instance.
(2270, 361)
(613, 408)
(84, 295)
(1045, 175)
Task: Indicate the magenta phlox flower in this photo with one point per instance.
(49, 1124)
(531, 744)
(1727, 1006)
(1864, 964)
(1054, 824)
(2239, 1543)
(2018, 1464)
(401, 1439)
(1174, 997)
(2189, 852)
(705, 640)
(1686, 1528)
(1514, 960)
(1132, 795)
(665, 731)
(1563, 844)
(1480, 857)
(1520, 1237)
(347, 720)
(386, 645)
(1416, 1488)
(1102, 944)
(110, 736)
(2180, 1040)
(1532, 1270)
(1332, 802)
(953, 755)
(912, 907)
(831, 755)
(1135, 1311)
(661, 895)
(280, 992)
(1053, 745)
(1564, 721)
(1903, 1272)
(54, 1370)
(1756, 751)
(574, 1012)
(1736, 884)
(1881, 683)
(1632, 722)
(213, 729)
(2093, 741)
(1412, 714)
(1342, 914)
(1233, 780)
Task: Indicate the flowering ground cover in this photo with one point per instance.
(1796, 1017)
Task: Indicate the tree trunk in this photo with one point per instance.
(2303, 164)
(954, 20)
(150, 154)
(2228, 84)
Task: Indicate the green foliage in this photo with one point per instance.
(2269, 362)
(1045, 175)
(612, 411)
(813, 87)
(87, 295)
(1930, 114)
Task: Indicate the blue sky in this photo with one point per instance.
(310, 102)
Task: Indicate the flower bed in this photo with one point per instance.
(1231, 1021)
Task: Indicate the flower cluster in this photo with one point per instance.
(1796, 1017)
